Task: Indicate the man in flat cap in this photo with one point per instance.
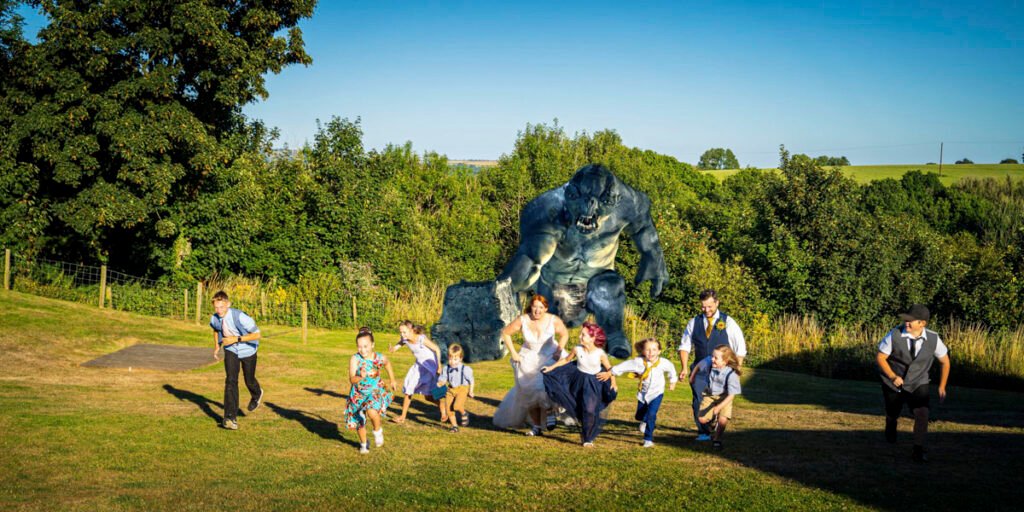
(905, 355)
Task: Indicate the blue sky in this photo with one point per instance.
(878, 82)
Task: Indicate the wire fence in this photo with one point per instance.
(267, 303)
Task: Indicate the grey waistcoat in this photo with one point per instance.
(913, 370)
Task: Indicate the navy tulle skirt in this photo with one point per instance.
(581, 395)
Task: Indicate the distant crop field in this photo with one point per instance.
(474, 163)
(951, 173)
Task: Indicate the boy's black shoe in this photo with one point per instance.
(255, 402)
(919, 456)
(716, 445)
(890, 430)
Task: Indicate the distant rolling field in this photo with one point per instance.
(474, 163)
(951, 173)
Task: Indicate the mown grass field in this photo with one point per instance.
(951, 173)
(78, 438)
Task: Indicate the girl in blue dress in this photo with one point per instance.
(368, 398)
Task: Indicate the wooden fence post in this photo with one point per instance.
(355, 314)
(199, 300)
(184, 306)
(305, 318)
(103, 284)
(263, 305)
(7, 269)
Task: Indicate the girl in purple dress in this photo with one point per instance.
(422, 376)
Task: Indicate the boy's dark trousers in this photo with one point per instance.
(231, 365)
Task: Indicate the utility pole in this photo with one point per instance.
(940, 157)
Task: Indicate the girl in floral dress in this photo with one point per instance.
(368, 397)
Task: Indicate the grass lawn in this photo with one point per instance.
(951, 173)
(77, 438)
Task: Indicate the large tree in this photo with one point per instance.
(124, 107)
(718, 158)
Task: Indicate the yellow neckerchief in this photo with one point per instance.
(645, 374)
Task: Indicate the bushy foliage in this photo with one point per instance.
(122, 111)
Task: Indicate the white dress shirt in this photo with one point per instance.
(654, 384)
(737, 342)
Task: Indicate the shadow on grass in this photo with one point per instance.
(420, 411)
(327, 392)
(858, 363)
(205, 404)
(967, 471)
(314, 423)
(962, 405)
(493, 402)
(427, 414)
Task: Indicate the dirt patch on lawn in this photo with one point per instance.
(156, 357)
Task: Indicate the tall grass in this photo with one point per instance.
(980, 357)
(330, 304)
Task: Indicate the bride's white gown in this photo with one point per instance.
(528, 391)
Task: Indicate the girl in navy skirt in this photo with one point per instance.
(576, 388)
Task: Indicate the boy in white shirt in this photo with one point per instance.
(651, 369)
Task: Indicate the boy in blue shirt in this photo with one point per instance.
(718, 379)
(238, 334)
(458, 377)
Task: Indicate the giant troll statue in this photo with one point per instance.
(568, 237)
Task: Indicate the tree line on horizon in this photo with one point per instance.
(123, 143)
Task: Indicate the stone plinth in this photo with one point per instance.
(474, 314)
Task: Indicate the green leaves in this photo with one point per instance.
(125, 108)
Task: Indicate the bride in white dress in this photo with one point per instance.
(527, 399)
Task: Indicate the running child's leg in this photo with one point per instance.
(722, 422)
(406, 402)
(651, 417)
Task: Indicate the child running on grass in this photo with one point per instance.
(238, 334)
(458, 377)
(368, 398)
(651, 369)
(422, 375)
(721, 383)
(576, 387)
